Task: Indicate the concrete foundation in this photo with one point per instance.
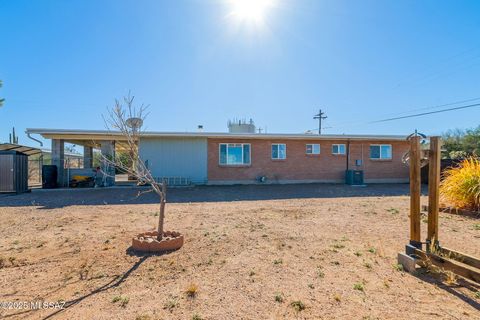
(409, 263)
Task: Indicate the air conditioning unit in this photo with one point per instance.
(354, 177)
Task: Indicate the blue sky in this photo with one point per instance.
(63, 62)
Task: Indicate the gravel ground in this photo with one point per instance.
(252, 252)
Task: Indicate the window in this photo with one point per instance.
(381, 151)
(234, 153)
(338, 149)
(279, 151)
(313, 149)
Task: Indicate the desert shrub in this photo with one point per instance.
(279, 297)
(297, 305)
(359, 286)
(192, 290)
(122, 299)
(460, 187)
(170, 304)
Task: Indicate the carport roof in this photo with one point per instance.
(29, 151)
(97, 135)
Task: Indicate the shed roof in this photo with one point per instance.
(29, 151)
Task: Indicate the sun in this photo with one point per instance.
(251, 10)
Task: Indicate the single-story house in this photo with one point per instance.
(248, 157)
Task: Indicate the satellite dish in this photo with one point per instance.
(423, 158)
(424, 154)
(134, 123)
(423, 137)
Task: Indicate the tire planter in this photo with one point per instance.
(147, 241)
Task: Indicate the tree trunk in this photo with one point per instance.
(161, 217)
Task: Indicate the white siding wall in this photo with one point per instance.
(176, 157)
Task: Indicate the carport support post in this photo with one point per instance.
(108, 151)
(415, 189)
(433, 192)
(87, 157)
(58, 157)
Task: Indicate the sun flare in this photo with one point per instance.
(251, 10)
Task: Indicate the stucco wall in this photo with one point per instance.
(300, 167)
(176, 157)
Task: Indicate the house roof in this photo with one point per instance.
(96, 135)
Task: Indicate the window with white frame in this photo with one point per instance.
(338, 149)
(380, 151)
(313, 149)
(234, 154)
(279, 151)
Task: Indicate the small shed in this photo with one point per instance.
(14, 167)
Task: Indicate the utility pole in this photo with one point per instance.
(320, 116)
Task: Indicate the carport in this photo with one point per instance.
(105, 141)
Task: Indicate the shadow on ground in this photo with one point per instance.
(453, 289)
(48, 199)
(115, 282)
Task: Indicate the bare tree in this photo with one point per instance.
(128, 120)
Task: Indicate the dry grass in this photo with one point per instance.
(297, 305)
(447, 276)
(122, 300)
(450, 277)
(279, 298)
(460, 186)
(191, 290)
(227, 266)
(360, 286)
(197, 317)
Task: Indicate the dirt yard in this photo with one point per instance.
(252, 252)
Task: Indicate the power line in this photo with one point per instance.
(423, 113)
(446, 66)
(427, 113)
(360, 123)
(320, 116)
(435, 107)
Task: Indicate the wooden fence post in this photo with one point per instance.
(433, 191)
(415, 190)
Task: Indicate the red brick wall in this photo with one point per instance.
(392, 169)
(300, 166)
